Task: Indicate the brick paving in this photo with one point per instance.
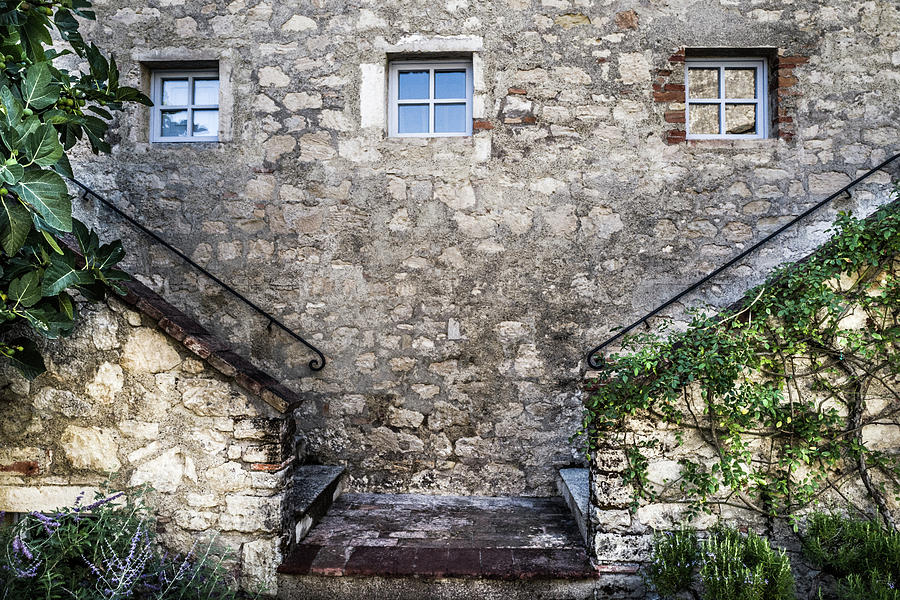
(410, 535)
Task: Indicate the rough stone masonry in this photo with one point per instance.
(454, 283)
(123, 403)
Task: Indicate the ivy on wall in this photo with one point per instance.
(783, 387)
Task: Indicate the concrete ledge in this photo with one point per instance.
(575, 488)
(313, 490)
(44, 499)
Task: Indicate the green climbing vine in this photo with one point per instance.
(786, 388)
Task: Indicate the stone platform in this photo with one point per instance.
(444, 536)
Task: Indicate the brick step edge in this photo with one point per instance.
(470, 563)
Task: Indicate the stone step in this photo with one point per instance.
(617, 586)
(313, 490)
(574, 487)
(399, 546)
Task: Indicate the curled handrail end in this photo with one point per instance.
(596, 359)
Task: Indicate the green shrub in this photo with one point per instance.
(727, 565)
(738, 567)
(864, 557)
(675, 556)
(106, 550)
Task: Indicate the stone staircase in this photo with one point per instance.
(421, 547)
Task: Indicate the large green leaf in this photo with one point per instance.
(14, 137)
(15, 223)
(25, 290)
(38, 89)
(68, 29)
(12, 108)
(35, 35)
(98, 63)
(47, 193)
(108, 255)
(62, 273)
(27, 358)
(64, 167)
(11, 173)
(42, 147)
(51, 322)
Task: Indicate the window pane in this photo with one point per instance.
(412, 85)
(206, 91)
(206, 122)
(703, 83)
(740, 83)
(174, 123)
(704, 119)
(450, 118)
(412, 118)
(175, 92)
(450, 84)
(740, 118)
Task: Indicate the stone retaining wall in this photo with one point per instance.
(121, 397)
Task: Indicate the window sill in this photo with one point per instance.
(446, 140)
(749, 144)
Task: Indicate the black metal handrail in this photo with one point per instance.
(316, 364)
(595, 359)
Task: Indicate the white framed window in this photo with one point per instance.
(185, 106)
(726, 98)
(430, 99)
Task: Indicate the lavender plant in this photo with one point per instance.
(105, 550)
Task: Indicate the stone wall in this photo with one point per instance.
(620, 534)
(455, 283)
(121, 397)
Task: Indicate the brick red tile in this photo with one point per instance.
(381, 560)
(330, 561)
(299, 561)
(498, 563)
(462, 562)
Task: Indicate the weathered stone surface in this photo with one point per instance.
(51, 400)
(228, 477)
(671, 516)
(259, 560)
(106, 383)
(250, 513)
(195, 520)
(565, 211)
(91, 448)
(161, 421)
(401, 417)
(149, 351)
(164, 473)
(213, 398)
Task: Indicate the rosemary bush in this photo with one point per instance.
(676, 555)
(104, 551)
(864, 557)
(781, 386)
(727, 565)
